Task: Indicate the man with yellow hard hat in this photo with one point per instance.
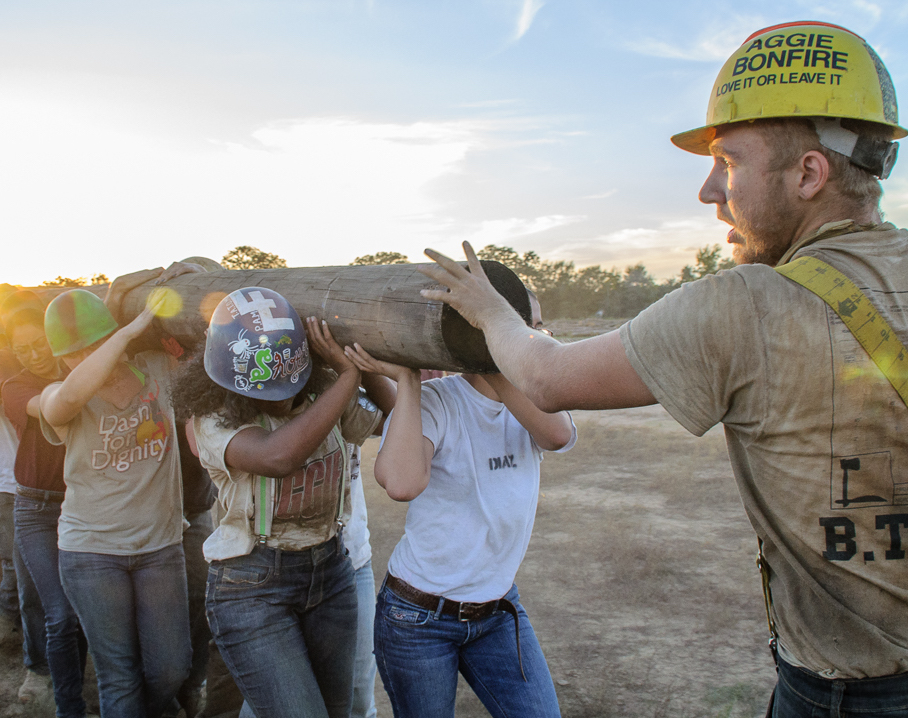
(798, 351)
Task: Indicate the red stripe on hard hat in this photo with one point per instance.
(802, 24)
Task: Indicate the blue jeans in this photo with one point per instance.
(134, 611)
(419, 653)
(200, 528)
(36, 539)
(34, 637)
(9, 598)
(285, 624)
(364, 662)
(802, 694)
(18, 595)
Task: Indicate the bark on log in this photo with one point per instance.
(378, 306)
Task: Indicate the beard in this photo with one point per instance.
(765, 226)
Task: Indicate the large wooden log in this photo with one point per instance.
(378, 306)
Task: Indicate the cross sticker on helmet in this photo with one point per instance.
(260, 308)
(256, 345)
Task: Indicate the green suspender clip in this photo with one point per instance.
(263, 499)
(859, 315)
(264, 504)
(139, 375)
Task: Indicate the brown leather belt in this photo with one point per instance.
(27, 492)
(461, 610)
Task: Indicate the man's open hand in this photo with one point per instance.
(469, 292)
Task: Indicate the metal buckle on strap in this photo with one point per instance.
(468, 606)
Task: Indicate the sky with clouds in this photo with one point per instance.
(133, 134)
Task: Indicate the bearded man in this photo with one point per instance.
(800, 126)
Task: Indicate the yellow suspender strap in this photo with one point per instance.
(872, 332)
(859, 315)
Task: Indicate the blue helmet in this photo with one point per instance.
(256, 345)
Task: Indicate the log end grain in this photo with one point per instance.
(466, 343)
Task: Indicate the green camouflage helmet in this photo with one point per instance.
(76, 319)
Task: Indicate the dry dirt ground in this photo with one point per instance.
(640, 578)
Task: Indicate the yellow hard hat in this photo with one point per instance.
(806, 69)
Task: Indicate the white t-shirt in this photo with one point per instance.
(356, 532)
(816, 437)
(468, 531)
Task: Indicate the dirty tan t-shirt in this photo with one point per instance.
(817, 437)
(124, 492)
(305, 503)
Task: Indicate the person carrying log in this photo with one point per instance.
(465, 452)
(121, 523)
(798, 351)
(272, 428)
(40, 490)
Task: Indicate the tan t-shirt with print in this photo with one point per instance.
(305, 503)
(124, 494)
(817, 437)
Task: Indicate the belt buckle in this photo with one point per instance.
(469, 606)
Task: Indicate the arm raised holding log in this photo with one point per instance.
(590, 374)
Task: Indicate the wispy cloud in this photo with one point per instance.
(713, 43)
(528, 11)
(895, 201)
(872, 9)
(663, 249)
(315, 191)
(601, 195)
(503, 231)
(487, 104)
(847, 11)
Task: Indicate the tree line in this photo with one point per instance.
(570, 293)
(564, 290)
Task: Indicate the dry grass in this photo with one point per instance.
(571, 330)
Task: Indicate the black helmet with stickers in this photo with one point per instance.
(256, 345)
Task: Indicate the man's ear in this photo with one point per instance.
(814, 174)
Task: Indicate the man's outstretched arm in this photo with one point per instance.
(591, 374)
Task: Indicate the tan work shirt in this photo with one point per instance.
(816, 436)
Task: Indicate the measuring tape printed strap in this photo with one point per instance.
(859, 315)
